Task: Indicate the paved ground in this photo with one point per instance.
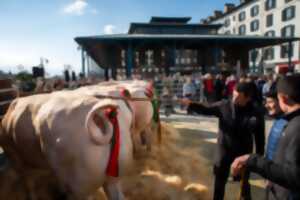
(199, 133)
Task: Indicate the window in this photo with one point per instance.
(284, 53)
(288, 13)
(254, 11)
(269, 53)
(242, 30)
(287, 1)
(227, 22)
(188, 60)
(270, 4)
(233, 18)
(288, 31)
(254, 25)
(227, 33)
(270, 34)
(269, 20)
(242, 16)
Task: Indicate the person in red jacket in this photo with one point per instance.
(209, 87)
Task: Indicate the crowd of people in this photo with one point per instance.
(210, 88)
(43, 85)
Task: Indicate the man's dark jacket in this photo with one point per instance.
(284, 170)
(237, 126)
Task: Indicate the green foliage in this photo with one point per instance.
(27, 81)
(24, 76)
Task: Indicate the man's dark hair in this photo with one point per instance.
(290, 86)
(272, 93)
(245, 88)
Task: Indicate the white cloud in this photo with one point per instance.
(78, 7)
(109, 29)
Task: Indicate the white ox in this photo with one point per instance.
(67, 135)
(142, 109)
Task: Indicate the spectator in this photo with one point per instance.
(199, 88)
(188, 89)
(230, 85)
(272, 105)
(239, 121)
(267, 86)
(219, 87)
(209, 87)
(40, 84)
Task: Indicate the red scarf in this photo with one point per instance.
(113, 163)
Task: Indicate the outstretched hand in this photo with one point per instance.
(185, 101)
(239, 164)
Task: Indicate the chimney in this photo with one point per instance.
(228, 7)
(211, 18)
(218, 13)
(203, 21)
(243, 1)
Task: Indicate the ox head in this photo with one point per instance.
(98, 122)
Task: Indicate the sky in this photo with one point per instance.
(35, 29)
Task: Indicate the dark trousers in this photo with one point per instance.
(221, 171)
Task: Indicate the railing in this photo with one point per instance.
(7, 95)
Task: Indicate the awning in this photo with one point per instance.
(286, 64)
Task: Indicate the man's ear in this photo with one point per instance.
(284, 98)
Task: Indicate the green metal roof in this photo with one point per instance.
(133, 26)
(156, 19)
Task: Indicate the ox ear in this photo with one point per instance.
(125, 92)
(98, 125)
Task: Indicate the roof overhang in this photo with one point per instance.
(92, 44)
(247, 41)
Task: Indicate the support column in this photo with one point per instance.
(215, 55)
(114, 73)
(253, 59)
(142, 57)
(290, 57)
(262, 60)
(244, 57)
(157, 57)
(129, 60)
(171, 57)
(106, 73)
(88, 60)
(82, 62)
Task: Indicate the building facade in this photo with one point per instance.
(264, 18)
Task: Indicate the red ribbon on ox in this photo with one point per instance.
(113, 163)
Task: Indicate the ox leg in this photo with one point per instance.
(30, 185)
(137, 144)
(147, 138)
(113, 190)
(25, 179)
